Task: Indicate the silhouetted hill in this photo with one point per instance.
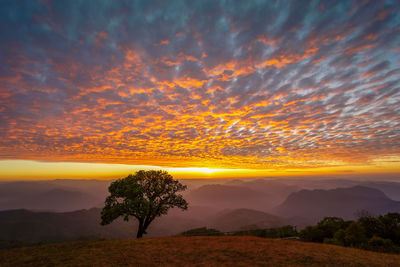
(277, 191)
(340, 202)
(195, 212)
(271, 186)
(326, 184)
(259, 194)
(227, 196)
(27, 227)
(49, 196)
(391, 189)
(243, 219)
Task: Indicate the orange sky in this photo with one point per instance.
(256, 89)
(35, 170)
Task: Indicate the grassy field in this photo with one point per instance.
(194, 251)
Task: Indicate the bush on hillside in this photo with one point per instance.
(380, 233)
(380, 244)
(203, 231)
(280, 232)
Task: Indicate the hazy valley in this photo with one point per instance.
(58, 210)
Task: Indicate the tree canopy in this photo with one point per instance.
(144, 196)
(381, 233)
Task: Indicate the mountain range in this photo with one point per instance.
(69, 210)
(339, 202)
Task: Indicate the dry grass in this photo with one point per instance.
(194, 251)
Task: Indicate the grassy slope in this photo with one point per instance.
(198, 251)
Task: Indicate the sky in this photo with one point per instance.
(231, 88)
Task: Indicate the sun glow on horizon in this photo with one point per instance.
(30, 169)
(40, 170)
(193, 169)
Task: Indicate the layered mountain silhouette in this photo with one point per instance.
(257, 194)
(391, 189)
(26, 227)
(44, 197)
(58, 195)
(226, 196)
(62, 209)
(340, 202)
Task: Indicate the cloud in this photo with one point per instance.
(229, 84)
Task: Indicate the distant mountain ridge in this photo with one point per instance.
(63, 207)
(255, 194)
(259, 194)
(49, 196)
(340, 202)
(227, 196)
(29, 227)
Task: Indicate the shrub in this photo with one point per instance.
(312, 234)
(203, 231)
(355, 235)
(279, 232)
(380, 244)
(339, 237)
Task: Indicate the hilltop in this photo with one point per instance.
(204, 251)
(340, 202)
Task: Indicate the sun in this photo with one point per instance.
(200, 170)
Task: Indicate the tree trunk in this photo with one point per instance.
(140, 230)
(143, 224)
(139, 234)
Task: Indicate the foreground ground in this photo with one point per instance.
(197, 251)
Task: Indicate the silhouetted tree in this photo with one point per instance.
(145, 196)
